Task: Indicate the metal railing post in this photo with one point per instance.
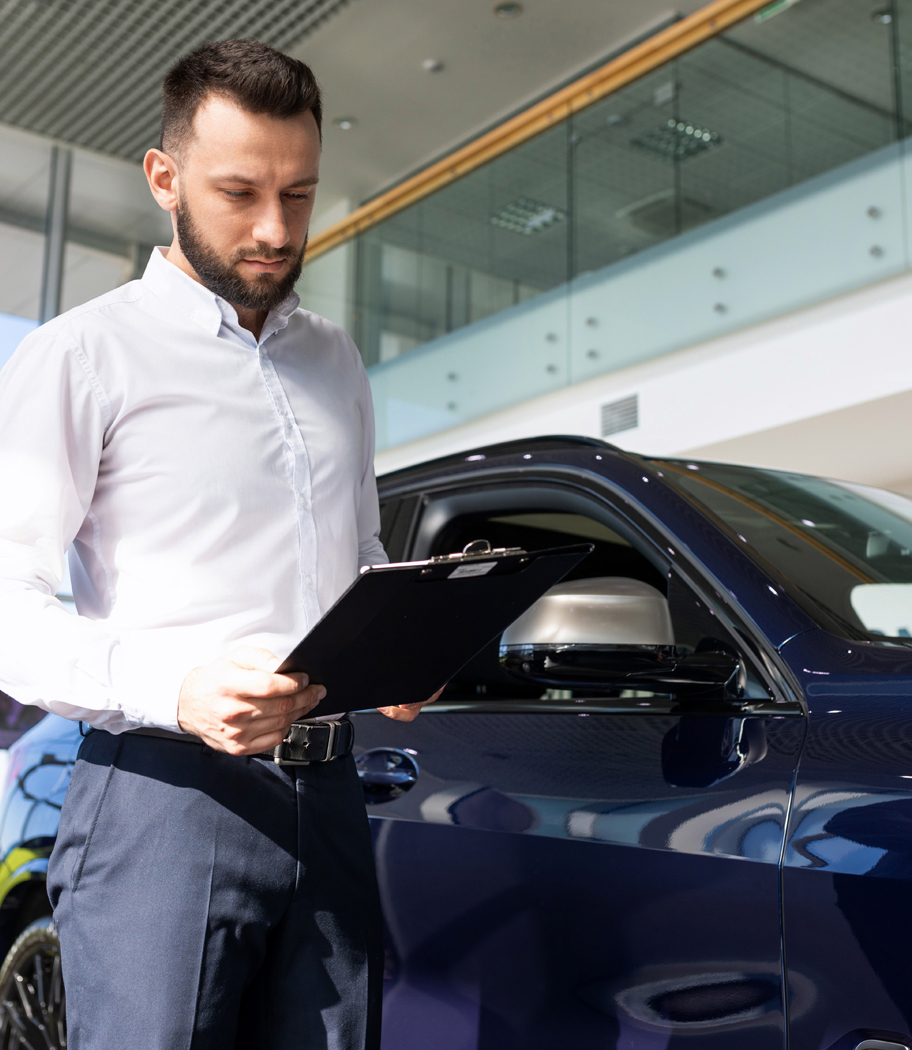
(55, 232)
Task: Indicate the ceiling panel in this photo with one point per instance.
(89, 72)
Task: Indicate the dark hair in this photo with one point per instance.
(256, 76)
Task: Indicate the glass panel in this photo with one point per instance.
(623, 182)
(733, 107)
(486, 243)
(900, 14)
(842, 46)
(113, 225)
(732, 122)
(327, 287)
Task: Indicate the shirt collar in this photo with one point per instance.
(205, 308)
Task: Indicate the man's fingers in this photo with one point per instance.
(408, 712)
(307, 700)
(401, 713)
(286, 705)
(267, 732)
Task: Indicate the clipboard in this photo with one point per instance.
(401, 631)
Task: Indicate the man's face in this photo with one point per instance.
(245, 192)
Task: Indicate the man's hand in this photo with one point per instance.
(408, 712)
(239, 705)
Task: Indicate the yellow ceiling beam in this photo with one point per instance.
(651, 54)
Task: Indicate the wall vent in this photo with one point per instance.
(620, 415)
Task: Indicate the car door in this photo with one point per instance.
(848, 863)
(561, 869)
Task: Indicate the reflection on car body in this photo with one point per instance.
(699, 838)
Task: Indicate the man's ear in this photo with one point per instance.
(162, 175)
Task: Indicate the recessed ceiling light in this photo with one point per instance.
(508, 10)
(345, 123)
(884, 17)
(432, 65)
(527, 216)
(677, 139)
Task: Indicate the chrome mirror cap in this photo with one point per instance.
(605, 611)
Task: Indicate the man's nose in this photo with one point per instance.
(270, 227)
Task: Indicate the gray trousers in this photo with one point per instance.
(208, 902)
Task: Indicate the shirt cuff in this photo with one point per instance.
(146, 679)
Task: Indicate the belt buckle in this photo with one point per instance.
(279, 754)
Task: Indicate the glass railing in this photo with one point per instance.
(757, 172)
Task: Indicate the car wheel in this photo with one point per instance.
(32, 1001)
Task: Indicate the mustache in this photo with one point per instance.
(267, 254)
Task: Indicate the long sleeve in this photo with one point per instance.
(53, 419)
(370, 549)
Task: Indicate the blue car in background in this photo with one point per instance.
(698, 837)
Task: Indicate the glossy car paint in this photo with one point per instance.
(613, 876)
(847, 879)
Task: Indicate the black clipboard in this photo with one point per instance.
(401, 631)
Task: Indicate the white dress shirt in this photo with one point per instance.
(213, 491)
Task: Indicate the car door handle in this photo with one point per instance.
(386, 773)
(860, 1039)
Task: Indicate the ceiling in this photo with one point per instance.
(89, 71)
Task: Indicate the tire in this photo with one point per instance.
(32, 1000)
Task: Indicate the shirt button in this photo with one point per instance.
(309, 581)
(303, 499)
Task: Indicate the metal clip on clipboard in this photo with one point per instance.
(475, 559)
(478, 549)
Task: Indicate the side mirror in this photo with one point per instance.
(613, 633)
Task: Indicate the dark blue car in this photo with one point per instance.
(699, 840)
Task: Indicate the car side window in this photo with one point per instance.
(535, 528)
(538, 527)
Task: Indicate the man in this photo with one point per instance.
(205, 449)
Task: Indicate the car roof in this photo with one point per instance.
(546, 443)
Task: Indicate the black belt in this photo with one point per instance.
(306, 742)
(313, 742)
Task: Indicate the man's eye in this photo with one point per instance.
(236, 194)
(298, 196)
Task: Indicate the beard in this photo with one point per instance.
(220, 275)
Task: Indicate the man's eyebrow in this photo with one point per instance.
(245, 180)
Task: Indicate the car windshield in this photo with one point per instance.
(843, 551)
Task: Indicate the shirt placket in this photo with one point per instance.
(302, 493)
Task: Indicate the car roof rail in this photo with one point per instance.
(544, 443)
